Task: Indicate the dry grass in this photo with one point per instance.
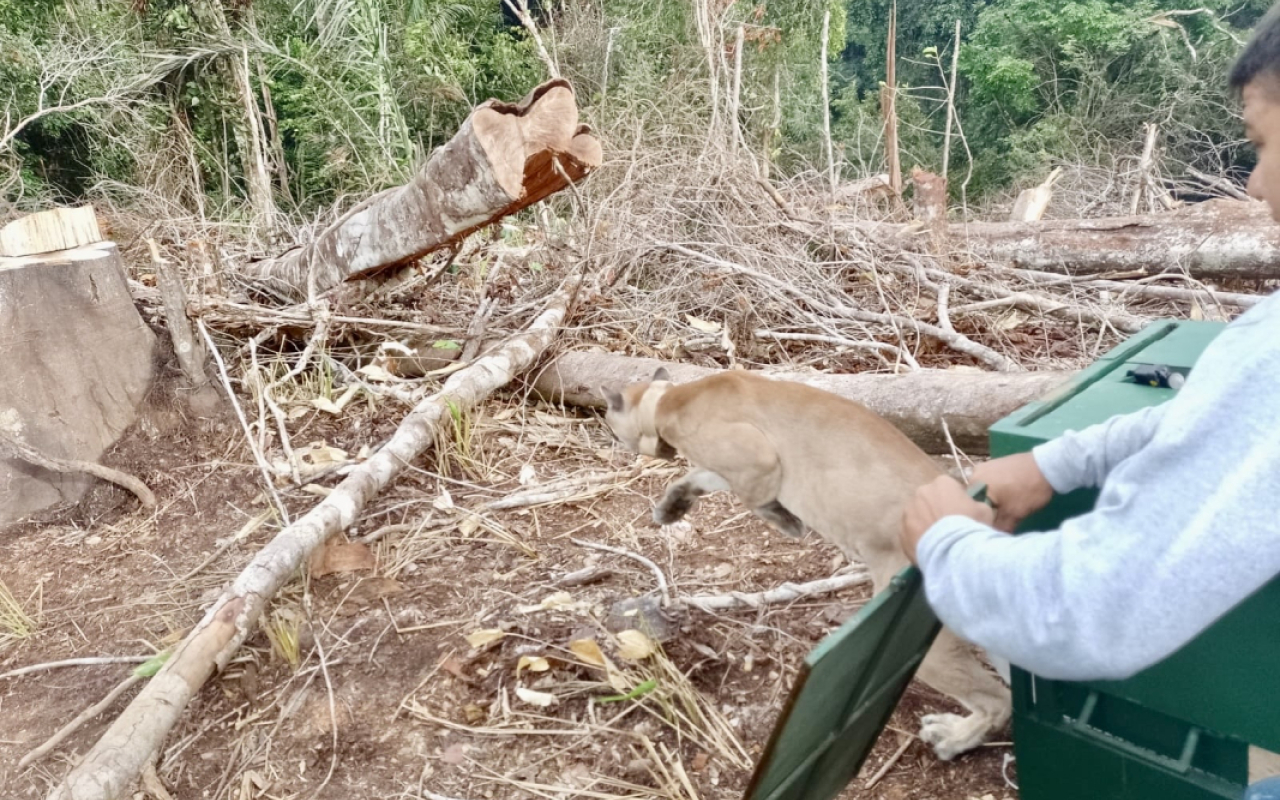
(16, 622)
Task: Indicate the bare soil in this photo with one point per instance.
(385, 697)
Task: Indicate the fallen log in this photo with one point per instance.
(916, 402)
(117, 759)
(505, 157)
(1219, 238)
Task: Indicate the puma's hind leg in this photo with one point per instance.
(953, 668)
(780, 517)
(682, 494)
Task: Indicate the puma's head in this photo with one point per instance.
(630, 415)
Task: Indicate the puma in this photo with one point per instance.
(800, 457)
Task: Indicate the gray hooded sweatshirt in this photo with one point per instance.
(1187, 526)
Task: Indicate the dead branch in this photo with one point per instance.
(786, 593)
(12, 446)
(836, 307)
(663, 586)
(90, 661)
(1143, 290)
(116, 760)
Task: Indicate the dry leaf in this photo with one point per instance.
(444, 502)
(558, 600)
(527, 475)
(591, 654)
(553, 602)
(332, 406)
(453, 666)
(473, 713)
(1197, 311)
(700, 762)
(454, 754)
(633, 645)
(1012, 320)
(702, 324)
(533, 664)
(484, 636)
(376, 373)
(468, 526)
(337, 556)
(588, 651)
(540, 699)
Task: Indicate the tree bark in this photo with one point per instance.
(69, 323)
(917, 402)
(503, 159)
(1219, 238)
(116, 760)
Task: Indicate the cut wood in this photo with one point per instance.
(1219, 238)
(49, 231)
(116, 760)
(506, 156)
(916, 402)
(74, 343)
(1032, 203)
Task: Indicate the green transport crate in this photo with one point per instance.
(1179, 730)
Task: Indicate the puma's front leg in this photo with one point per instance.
(682, 494)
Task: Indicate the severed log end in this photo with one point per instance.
(522, 142)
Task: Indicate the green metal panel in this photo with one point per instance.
(848, 687)
(1179, 729)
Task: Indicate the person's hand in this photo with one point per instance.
(941, 497)
(1015, 486)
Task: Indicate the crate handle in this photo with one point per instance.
(1181, 765)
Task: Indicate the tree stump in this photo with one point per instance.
(77, 363)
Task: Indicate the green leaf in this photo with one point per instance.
(446, 344)
(151, 666)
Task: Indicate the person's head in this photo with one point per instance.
(1256, 75)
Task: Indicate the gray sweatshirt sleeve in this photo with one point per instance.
(1184, 529)
(1080, 459)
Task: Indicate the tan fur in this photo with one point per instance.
(795, 454)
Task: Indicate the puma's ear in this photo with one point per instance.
(612, 397)
(661, 374)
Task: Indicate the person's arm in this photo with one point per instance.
(1080, 459)
(1184, 529)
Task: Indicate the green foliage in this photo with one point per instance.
(354, 92)
(1075, 80)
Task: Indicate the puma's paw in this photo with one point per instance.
(666, 513)
(950, 734)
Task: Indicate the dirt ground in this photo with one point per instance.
(367, 685)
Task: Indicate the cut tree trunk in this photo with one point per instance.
(1216, 239)
(116, 760)
(49, 231)
(503, 159)
(916, 402)
(78, 362)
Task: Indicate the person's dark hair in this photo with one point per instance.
(1261, 55)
